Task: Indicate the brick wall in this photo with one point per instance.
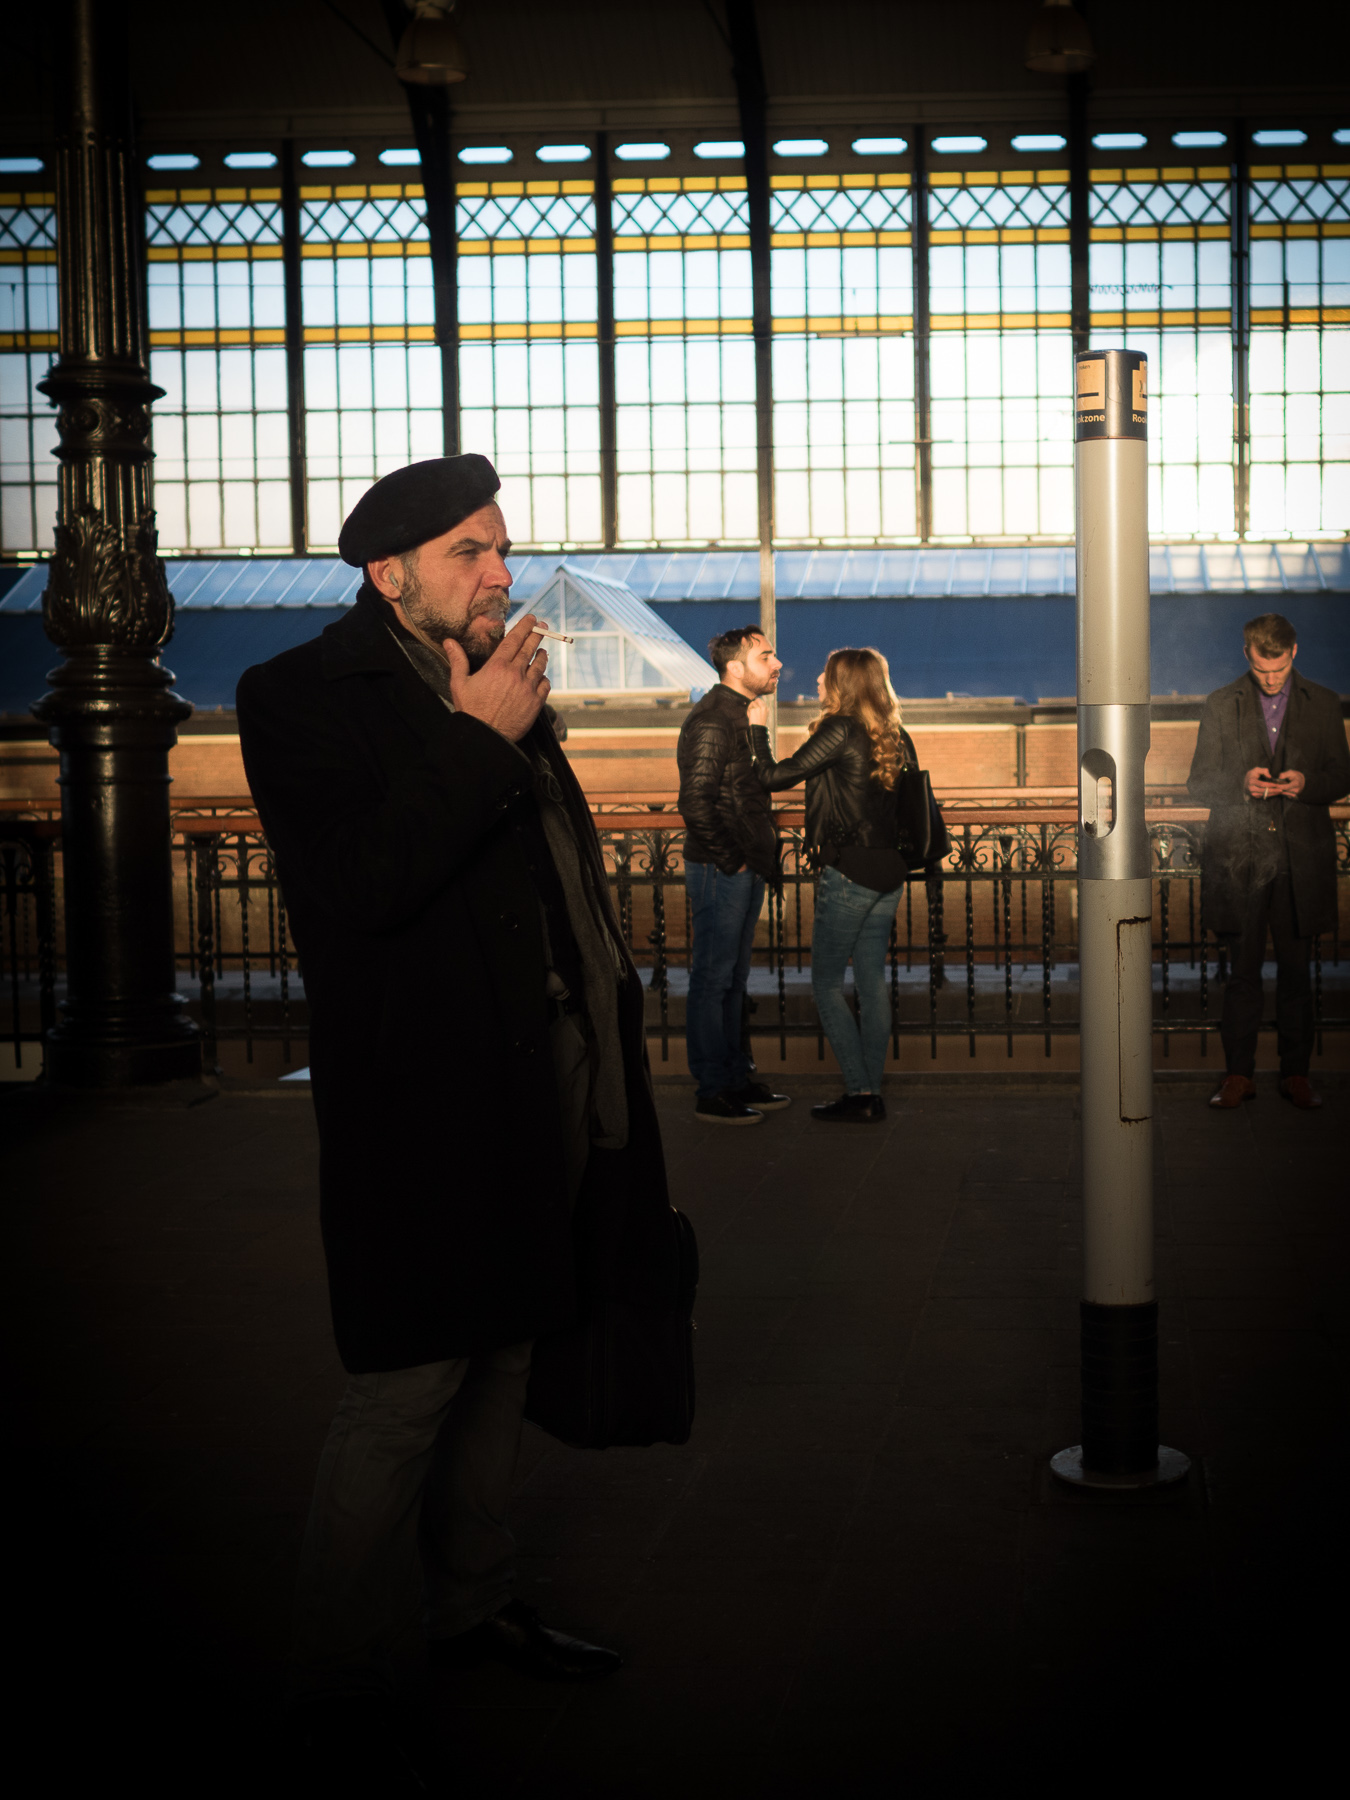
(955, 755)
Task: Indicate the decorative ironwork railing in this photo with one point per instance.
(985, 946)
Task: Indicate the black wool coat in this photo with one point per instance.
(1247, 841)
(396, 828)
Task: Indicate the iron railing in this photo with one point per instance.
(986, 946)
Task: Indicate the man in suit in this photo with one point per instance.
(477, 1056)
(1270, 758)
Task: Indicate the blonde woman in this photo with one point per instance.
(850, 763)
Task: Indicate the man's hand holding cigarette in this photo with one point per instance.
(510, 689)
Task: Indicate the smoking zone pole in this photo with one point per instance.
(1120, 1447)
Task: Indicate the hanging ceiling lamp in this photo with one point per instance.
(430, 51)
(1059, 42)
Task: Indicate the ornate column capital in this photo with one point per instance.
(106, 585)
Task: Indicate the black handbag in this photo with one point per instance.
(924, 838)
(624, 1374)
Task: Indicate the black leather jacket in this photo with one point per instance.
(727, 820)
(844, 806)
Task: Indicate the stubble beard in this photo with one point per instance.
(434, 625)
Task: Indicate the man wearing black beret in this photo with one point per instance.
(476, 1051)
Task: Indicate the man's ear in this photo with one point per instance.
(386, 575)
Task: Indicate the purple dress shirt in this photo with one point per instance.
(1273, 708)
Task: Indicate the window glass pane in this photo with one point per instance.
(529, 371)
(1001, 353)
(843, 358)
(28, 324)
(217, 347)
(372, 367)
(1300, 356)
(1161, 272)
(684, 361)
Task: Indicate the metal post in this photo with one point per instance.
(1080, 215)
(107, 603)
(923, 393)
(295, 348)
(748, 74)
(604, 278)
(1239, 213)
(432, 118)
(1120, 1446)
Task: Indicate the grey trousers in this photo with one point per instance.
(407, 1532)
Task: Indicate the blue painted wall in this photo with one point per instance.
(1022, 647)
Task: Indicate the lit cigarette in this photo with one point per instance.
(556, 635)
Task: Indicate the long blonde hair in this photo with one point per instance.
(858, 684)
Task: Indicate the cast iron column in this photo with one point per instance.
(1119, 1313)
(923, 388)
(432, 121)
(107, 604)
(752, 95)
(1241, 317)
(604, 294)
(1080, 215)
(295, 348)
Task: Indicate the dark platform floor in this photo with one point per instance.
(857, 1579)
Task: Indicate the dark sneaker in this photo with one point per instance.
(754, 1093)
(725, 1109)
(851, 1109)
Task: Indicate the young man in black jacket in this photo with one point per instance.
(730, 852)
(1270, 758)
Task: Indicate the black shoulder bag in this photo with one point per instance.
(924, 838)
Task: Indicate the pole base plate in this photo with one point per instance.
(1172, 1466)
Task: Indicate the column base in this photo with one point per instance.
(73, 1062)
(1171, 1466)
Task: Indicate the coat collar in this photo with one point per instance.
(360, 644)
(727, 696)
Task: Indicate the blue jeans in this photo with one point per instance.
(853, 921)
(725, 910)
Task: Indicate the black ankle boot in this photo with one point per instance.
(851, 1109)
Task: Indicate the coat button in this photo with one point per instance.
(510, 921)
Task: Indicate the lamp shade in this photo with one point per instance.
(430, 51)
(1059, 42)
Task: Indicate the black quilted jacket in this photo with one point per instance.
(726, 813)
(844, 806)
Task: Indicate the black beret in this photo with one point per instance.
(415, 504)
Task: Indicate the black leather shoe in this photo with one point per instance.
(515, 1637)
(755, 1094)
(725, 1109)
(851, 1109)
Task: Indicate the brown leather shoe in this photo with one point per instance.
(1298, 1090)
(1235, 1089)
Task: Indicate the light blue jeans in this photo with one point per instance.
(854, 922)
